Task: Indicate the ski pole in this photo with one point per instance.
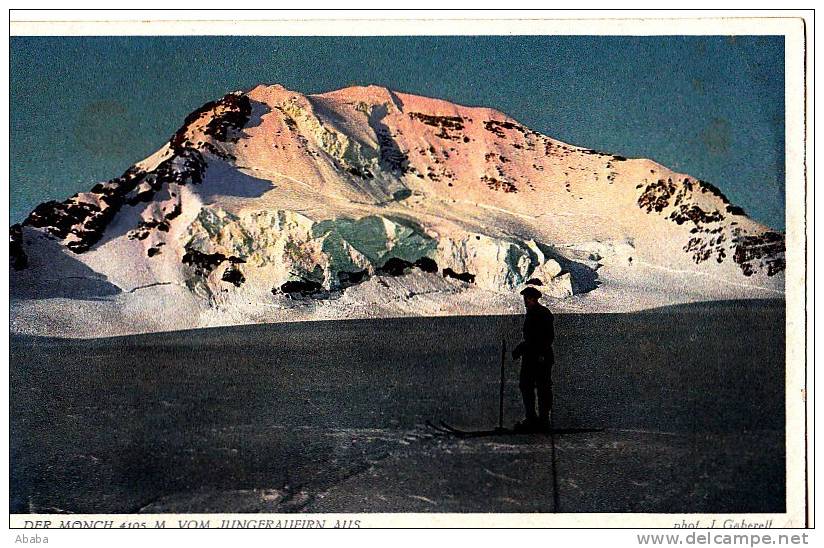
(556, 497)
(501, 396)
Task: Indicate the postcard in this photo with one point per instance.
(485, 271)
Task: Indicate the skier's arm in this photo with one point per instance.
(547, 334)
(518, 351)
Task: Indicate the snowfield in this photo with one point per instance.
(684, 406)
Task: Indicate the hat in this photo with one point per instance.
(531, 292)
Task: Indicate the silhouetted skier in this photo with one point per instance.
(536, 362)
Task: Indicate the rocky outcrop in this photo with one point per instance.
(762, 252)
(685, 203)
(81, 221)
(17, 255)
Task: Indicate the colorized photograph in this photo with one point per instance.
(397, 274)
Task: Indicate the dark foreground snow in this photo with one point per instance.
(329, 417)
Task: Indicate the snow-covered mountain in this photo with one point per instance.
(270, 205)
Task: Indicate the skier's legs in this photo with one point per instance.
(527, 386)
(544, 386)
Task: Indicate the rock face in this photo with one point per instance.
(269, 205)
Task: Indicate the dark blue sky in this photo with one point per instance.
(84, 109)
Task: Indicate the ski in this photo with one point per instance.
(437, 428)
(446, 428)
(477, 433)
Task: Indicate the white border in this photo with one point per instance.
(521, 23)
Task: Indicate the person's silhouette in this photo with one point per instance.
(535, 352)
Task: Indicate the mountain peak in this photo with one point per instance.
(372, 92)
(271, 204)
